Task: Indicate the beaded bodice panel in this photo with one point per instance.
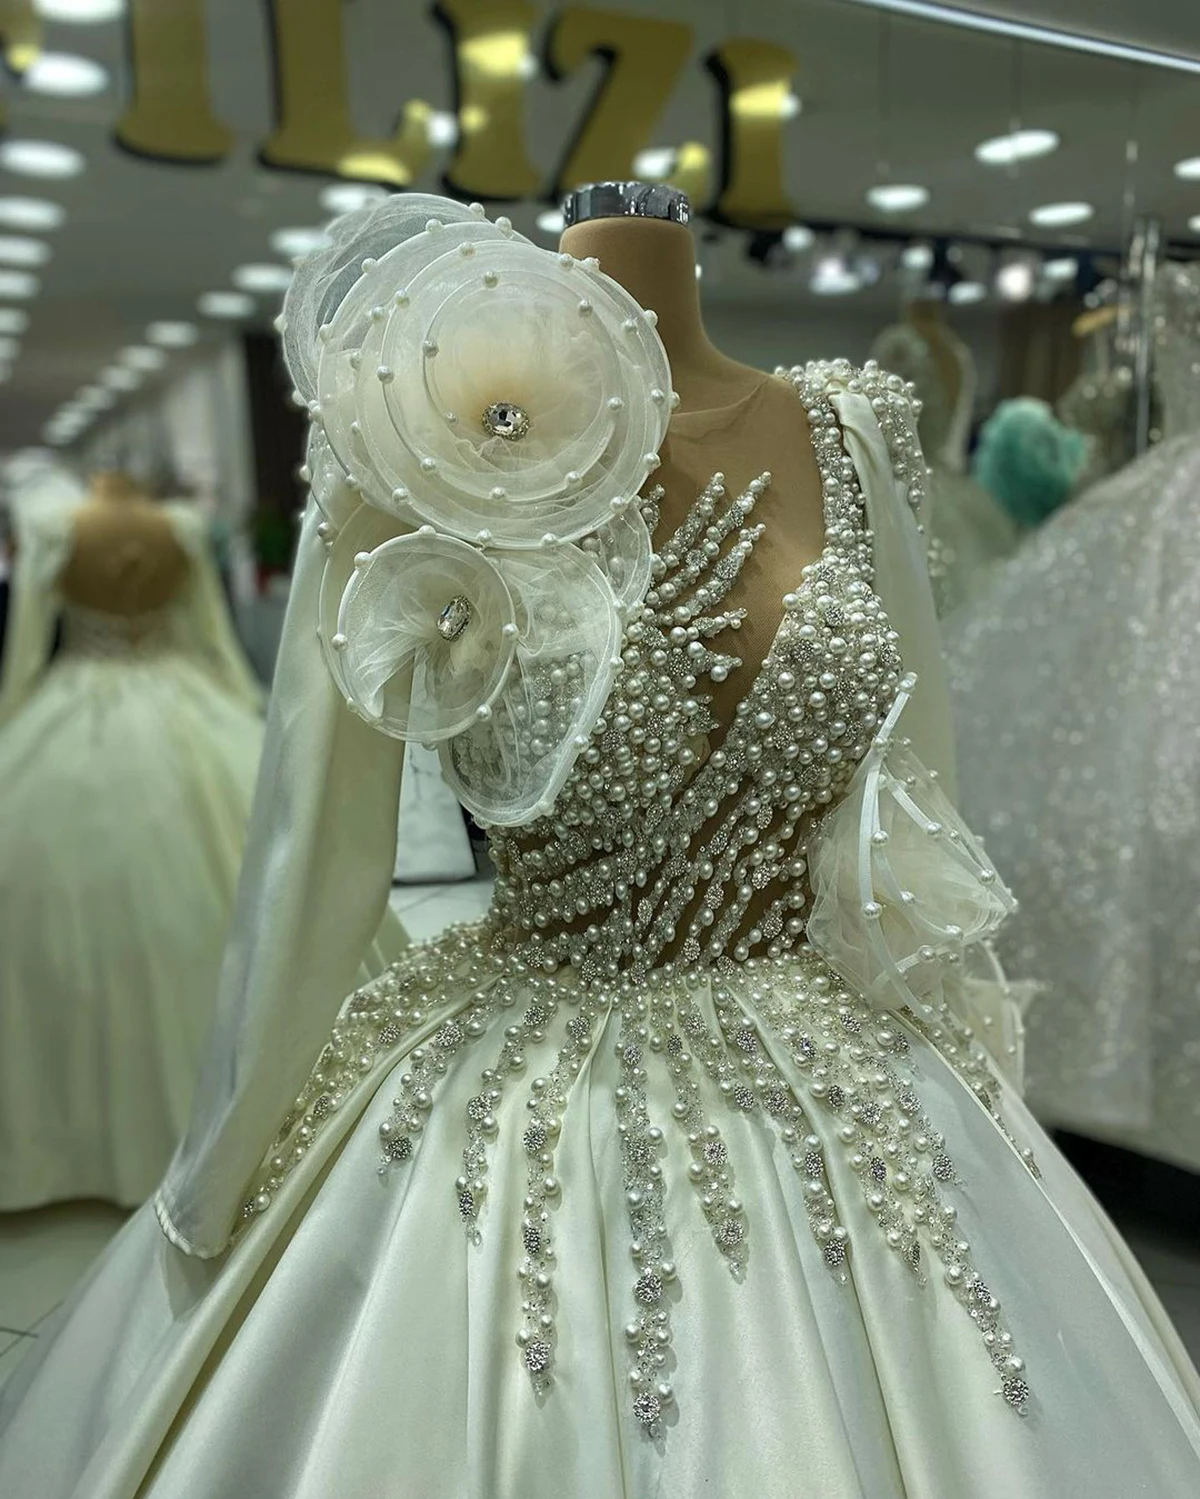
(678, 837)
(99, 635)
(1177, 349)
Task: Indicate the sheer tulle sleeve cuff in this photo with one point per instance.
(901, 888)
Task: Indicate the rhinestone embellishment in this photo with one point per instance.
(506, 419)
(455, 617)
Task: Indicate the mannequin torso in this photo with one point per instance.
(731, 418)
(124, 557)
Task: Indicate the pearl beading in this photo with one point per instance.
(674, 848)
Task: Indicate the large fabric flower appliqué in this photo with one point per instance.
(485, 413)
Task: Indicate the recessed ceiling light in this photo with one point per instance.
(916, 257)
(550, 221)
(30, 213)
(142, 357)
(797, 238)
(13, 320)
(296, 242)
(18, 285)
(1061, 268)
(1194, 223)
(41, 159)
(791, 106)
(655, 164)
(441, 128)
(1014, 281)
(963, 292)
(1018, 145)
(1059, 215)
(95, 398)
(226, 304)
(64, 75)
(833, 277)
(9, 349)
(347, 197)
(80, 12)
(1188, 169)
(172, 335)
(18, 249)
(120, 377)
(262, 278)
(897, 197)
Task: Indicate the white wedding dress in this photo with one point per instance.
(968, 531)
(680, 1173)
(127, 765)
(1076, 687)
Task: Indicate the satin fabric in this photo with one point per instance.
(356, 1343)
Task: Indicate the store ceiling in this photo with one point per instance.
(882, 98)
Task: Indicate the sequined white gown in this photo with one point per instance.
(625, 1191)
(1076, 684)
(127, 766)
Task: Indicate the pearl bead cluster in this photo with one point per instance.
(635, 899)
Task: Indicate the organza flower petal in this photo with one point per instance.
(509, 767)
(470, 319)
(901, 887)
(425, 634)
(359, 534)
(335, 495)
(322, 279)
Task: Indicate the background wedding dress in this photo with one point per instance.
(127, 765)
(1076, 687)
(969, 531)
(606, 1196)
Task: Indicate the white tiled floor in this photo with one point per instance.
(43, 1253)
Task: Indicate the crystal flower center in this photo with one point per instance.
(506, 419)
(455, 617)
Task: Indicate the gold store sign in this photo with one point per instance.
(170, 115)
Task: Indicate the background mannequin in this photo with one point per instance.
(731, 417)
(125, 558)
(925, 317)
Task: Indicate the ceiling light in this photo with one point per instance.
(348, 197)
(262, 278)
(916, 257)
(40, 159)
(1018, 145)
(172, 335)
(1194, 223)
(297, 242)
(1059, 215)
(797, 238)
(897, 197)
(66, 76)
(18, 285)
(1014, 281)
(9, 349)
(833, 277)
(233, 304)
(1188, 169)
(142, 357)
(1062, 268)
(963, 292)
(120, 377)
(441, 128)
(13, 320)
(655, 164)
(30, 213)
(80, 12)
(95, 398)
(790, 106)
(550, 221)
(17, 249)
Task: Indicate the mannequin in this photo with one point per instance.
(125, 559)
(731, 417)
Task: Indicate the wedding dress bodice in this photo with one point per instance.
(100, 635)
(677, 836)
